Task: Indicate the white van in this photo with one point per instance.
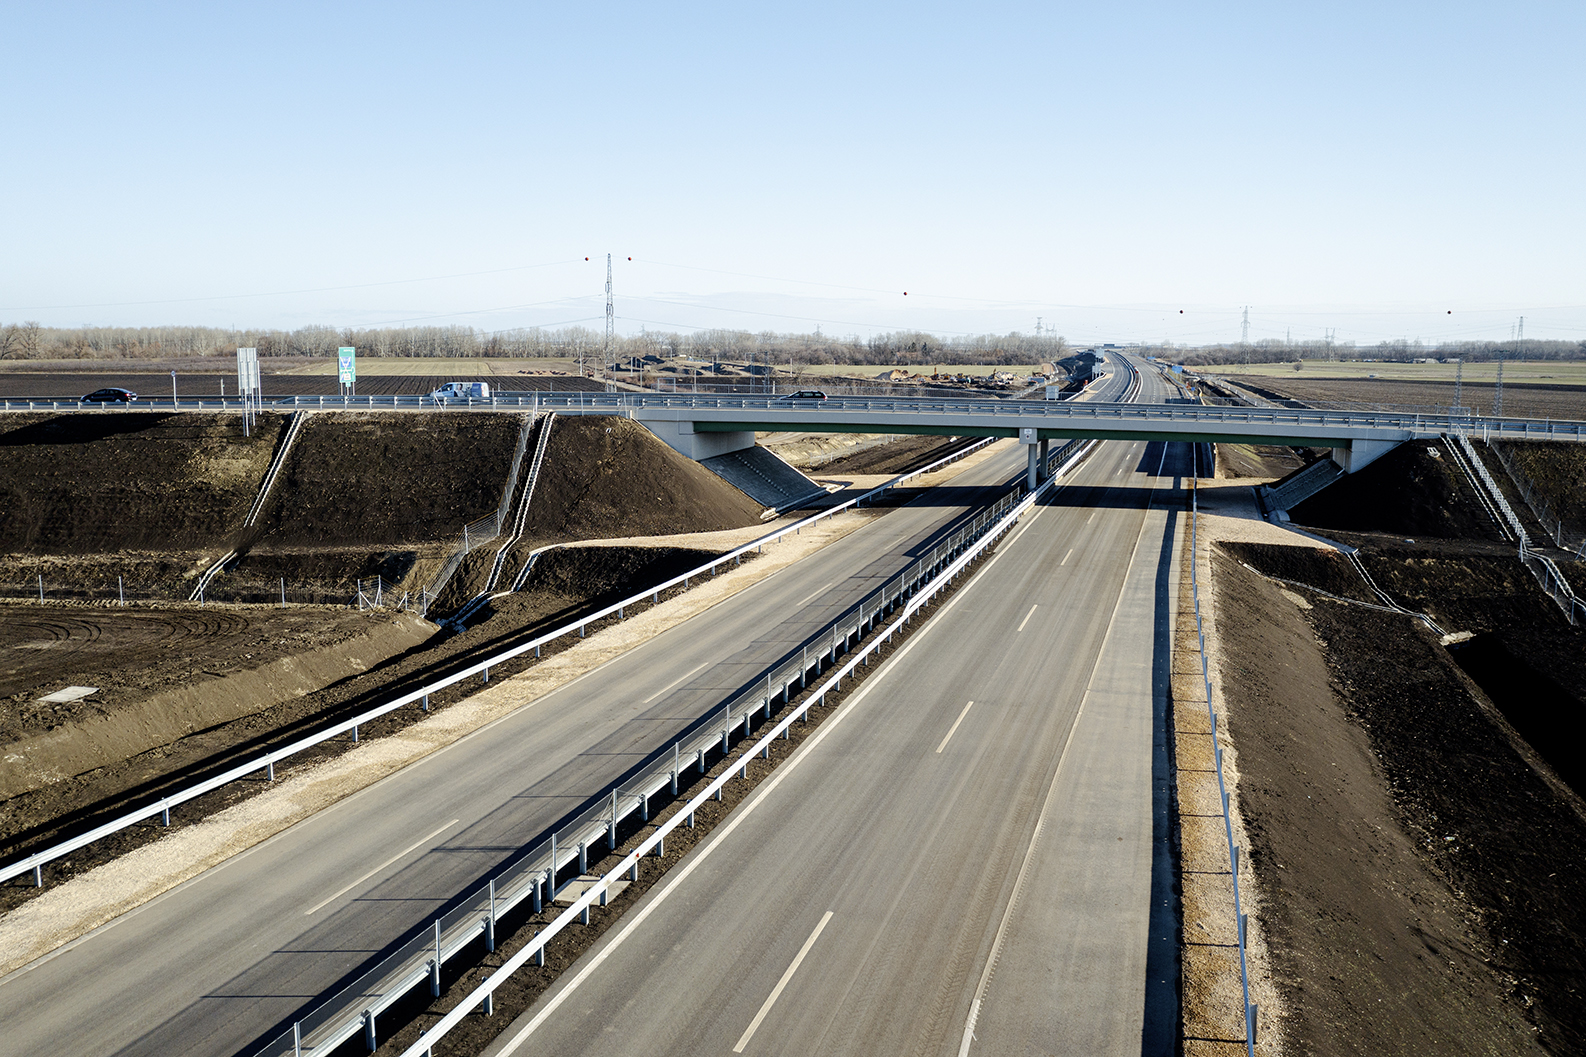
(452, 391)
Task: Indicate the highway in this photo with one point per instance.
(984, 803)
(227, 960)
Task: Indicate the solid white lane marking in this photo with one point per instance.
(673, 683)
(954, 728)
(776, 991)
(1027, 617)
(1067, 556)
(806, 598)
(382, 866)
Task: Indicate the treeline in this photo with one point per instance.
(1388, 352)
(30, 341)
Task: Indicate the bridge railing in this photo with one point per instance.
(875, 411)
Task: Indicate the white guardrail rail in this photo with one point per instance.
(36, 862)
(533, 877)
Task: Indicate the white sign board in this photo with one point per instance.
(1027, 435)
(248, 371)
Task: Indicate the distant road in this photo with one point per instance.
(985, 803)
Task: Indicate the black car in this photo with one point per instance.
(804, 394)
(110, 396)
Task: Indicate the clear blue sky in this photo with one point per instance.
(1365, 167)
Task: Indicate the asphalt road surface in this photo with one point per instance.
(229, 959)
(961, 860)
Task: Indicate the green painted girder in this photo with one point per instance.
(1043, 433)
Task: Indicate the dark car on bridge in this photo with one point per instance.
(804, 394)
(110, 396)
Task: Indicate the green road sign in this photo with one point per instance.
(346, 365)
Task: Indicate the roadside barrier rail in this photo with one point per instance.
(535, 876)
(265, 763)
(1241, 921)
(1048, 413)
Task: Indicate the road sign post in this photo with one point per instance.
(347, 370)
(248, 385)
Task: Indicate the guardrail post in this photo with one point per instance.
(490, 929)
(539, 955)
(611, 827)
(368, 1030)
(297, 1038)
(490, 1004)
(583, 857)
(165, 814)
(550, 888)
(435, 966)
(426, 705)
(355, 732)
(38, 876)
(269, 771)
(644, 807)
(675, 749)
(485, 676)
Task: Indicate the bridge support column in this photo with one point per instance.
(1045, 473)
(1362, 452)
(679, 434)
(1032, 471)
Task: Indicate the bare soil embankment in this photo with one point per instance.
(1520, 399)
(1417, 837)
(571, 583)
(186, 690)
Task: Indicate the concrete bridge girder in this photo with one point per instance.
(702, 439)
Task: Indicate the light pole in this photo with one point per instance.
(173, 390)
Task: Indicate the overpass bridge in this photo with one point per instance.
(702, 426)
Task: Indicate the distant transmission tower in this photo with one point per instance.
(1497, 396)
(610, 316)
(1244, 328)
(1520, 332)
(1459, 384)
(1037, 326)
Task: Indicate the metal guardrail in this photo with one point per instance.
(35, 862)
(1053, 414)
(1240, 918)
(532, 877)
